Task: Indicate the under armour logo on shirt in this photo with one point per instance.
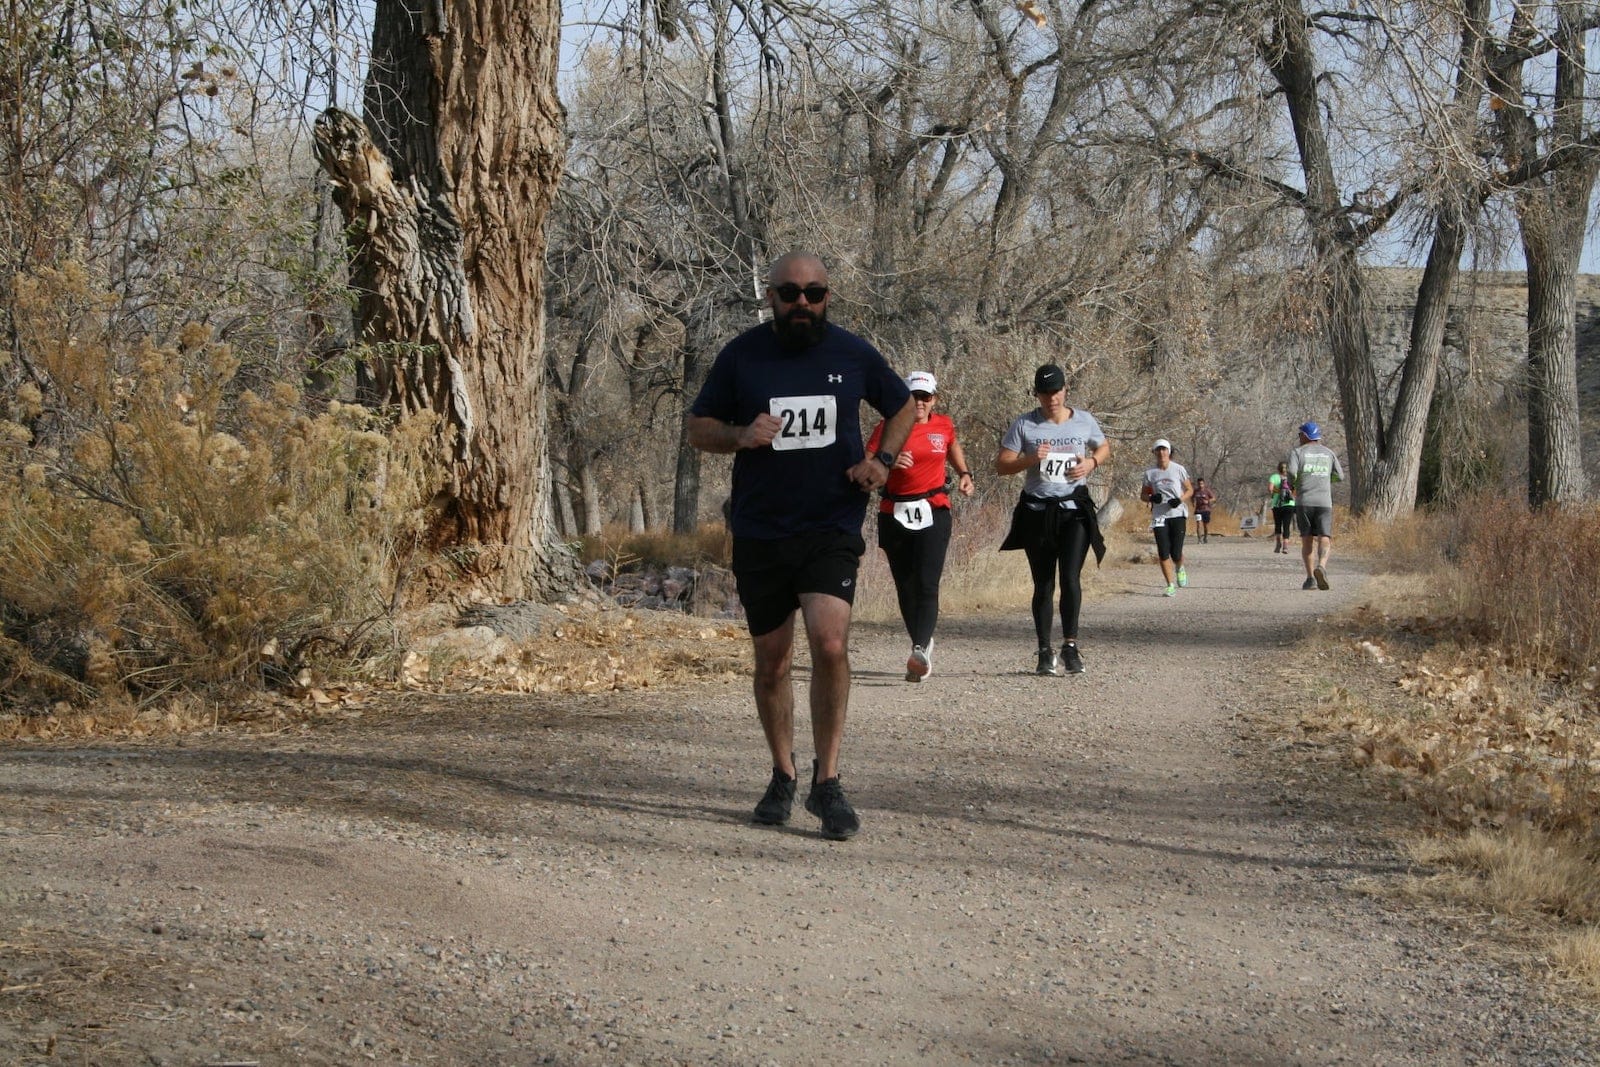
(835, 377)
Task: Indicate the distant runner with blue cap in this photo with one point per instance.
(1313, 468)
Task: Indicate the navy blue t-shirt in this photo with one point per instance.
(798, 484)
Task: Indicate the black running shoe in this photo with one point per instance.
(779, 799)
(1047, 662)
(826, 801)
(1070, 657)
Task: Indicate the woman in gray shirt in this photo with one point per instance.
(1056, 447)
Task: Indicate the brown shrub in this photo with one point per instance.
(163, 528)
(1531, 579)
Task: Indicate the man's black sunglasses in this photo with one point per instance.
(789, 292)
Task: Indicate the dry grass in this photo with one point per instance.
(1533, 581)
(1519, 871)
(623, 549)
(1411, 544)
(1467, 685)
(589, 651)
(1575, 955)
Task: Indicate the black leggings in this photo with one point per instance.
(916, 560)
(1283, 522)
(1169, 538)
(1066, 557)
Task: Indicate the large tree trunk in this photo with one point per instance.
(1384, 462)
(1555, 462)
(1552, 209)
(1287, 52)
(445, 208)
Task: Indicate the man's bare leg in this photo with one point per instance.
(828, 633)
(774, 692)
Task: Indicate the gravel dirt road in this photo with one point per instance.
(1116, 867)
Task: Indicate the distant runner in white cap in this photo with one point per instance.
(1166, 489)
(914, 517)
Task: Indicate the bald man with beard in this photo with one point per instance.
(784, 399)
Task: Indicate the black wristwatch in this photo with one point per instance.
(887, 459)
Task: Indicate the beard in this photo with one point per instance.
(800, 328)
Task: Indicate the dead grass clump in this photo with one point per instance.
(599, 652)
(1410, 544)
(1520, 871)
(120, 718)
(589, 651)
(1533, 580)
(163, 527)
(623, 549)
(1576, 956)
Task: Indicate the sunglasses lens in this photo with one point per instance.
(790, 292)
(922, 396)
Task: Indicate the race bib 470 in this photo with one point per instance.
(1056, 467)
(808, 421)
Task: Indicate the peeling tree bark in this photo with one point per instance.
(445, 188)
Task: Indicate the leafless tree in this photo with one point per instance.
(1550, 147)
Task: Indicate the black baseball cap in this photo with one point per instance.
(1049, 379)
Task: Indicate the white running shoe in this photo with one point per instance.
(920, 663)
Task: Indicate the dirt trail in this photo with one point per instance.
(1090, 869)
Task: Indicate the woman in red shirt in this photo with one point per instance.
(914, 517)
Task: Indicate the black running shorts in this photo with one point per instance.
(771, 575)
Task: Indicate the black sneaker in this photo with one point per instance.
(1047, 662)
(777, 802)
(1309, 583)
(826, 801)
(1070, 657)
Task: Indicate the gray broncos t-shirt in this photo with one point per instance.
(1069, 441)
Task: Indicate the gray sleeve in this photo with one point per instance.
(1011, 440)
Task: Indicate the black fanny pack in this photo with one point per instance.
(897, 498)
